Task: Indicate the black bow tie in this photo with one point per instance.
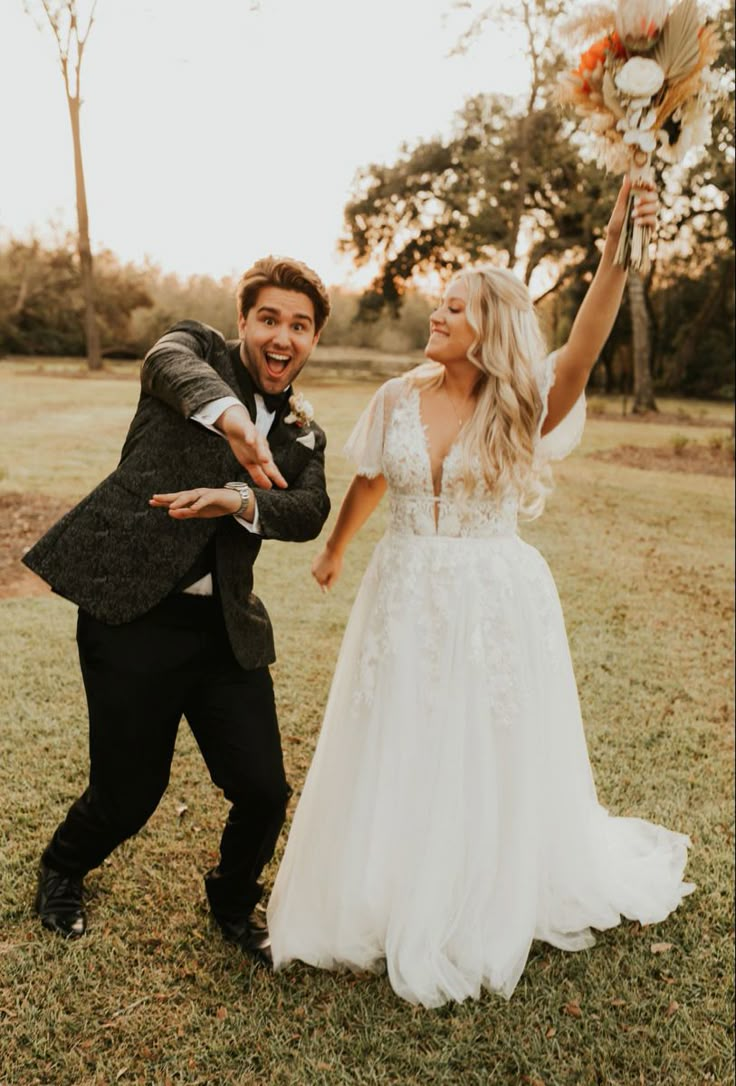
(273, 400)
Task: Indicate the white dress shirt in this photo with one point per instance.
(207, 416)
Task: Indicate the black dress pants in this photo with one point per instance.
(140, 679)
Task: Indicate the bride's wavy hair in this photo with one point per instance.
(501, 434)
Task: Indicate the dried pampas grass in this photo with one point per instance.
(595, 21)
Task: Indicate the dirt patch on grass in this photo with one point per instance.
(692, 459)
(660, 418)
(23, 518)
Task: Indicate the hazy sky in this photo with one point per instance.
(212, 139)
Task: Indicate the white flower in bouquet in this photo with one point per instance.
(639, 23)
(640, 77)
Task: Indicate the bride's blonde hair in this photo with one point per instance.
(501, 433)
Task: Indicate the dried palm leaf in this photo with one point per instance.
(677, 49)
(610, 96)
(679, 91)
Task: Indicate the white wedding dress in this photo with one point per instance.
(449, 816)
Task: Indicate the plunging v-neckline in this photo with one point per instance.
(435, 491)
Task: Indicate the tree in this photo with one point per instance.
(700, 231)
(641, 345)
(42, 304)
(508, 186)
(71, 39)
(536, 18)
(443, 205)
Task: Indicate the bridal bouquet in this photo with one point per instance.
(644, 88)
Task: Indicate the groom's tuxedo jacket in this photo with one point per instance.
(116, 557)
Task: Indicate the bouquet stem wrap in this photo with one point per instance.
(633, 245)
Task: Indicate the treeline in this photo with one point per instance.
(42, 311)
(42, 308)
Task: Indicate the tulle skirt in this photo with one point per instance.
(449, 816)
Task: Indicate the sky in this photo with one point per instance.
(215, 133)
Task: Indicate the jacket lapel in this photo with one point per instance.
(241, 379)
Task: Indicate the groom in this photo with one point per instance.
(168, 624)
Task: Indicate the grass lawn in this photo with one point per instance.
(644, 564)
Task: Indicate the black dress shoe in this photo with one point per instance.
(59, 903)
(251, 935)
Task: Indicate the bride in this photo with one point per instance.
(449, 816)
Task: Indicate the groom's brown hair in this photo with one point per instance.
(289, 274)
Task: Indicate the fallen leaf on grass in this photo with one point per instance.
(550, 1033)
(124, 1010)
(618, 1002)
(221, 1012)
(322, 1066)
(660, 948)
(673, 1008)
(573, 1008)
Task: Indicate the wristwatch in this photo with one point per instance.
(245, 492)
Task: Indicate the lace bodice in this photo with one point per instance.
(390, 439)
(414, 508)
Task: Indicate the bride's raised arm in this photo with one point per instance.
(594, 321)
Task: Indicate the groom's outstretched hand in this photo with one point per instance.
(249, 447)
(202, 502)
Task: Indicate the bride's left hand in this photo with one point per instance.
(201, 502)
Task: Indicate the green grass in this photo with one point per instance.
(644, 564)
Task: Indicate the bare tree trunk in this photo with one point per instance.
(22, 295)
(523, 129)
(641, 346)
(523, 167)
(63, 20)
(91, 331)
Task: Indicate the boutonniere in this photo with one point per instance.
(301, 413)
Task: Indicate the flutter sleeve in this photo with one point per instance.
(364, 447)
(568, 433)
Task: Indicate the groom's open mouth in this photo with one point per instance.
(276, 363)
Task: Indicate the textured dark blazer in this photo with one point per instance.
(117, 557)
